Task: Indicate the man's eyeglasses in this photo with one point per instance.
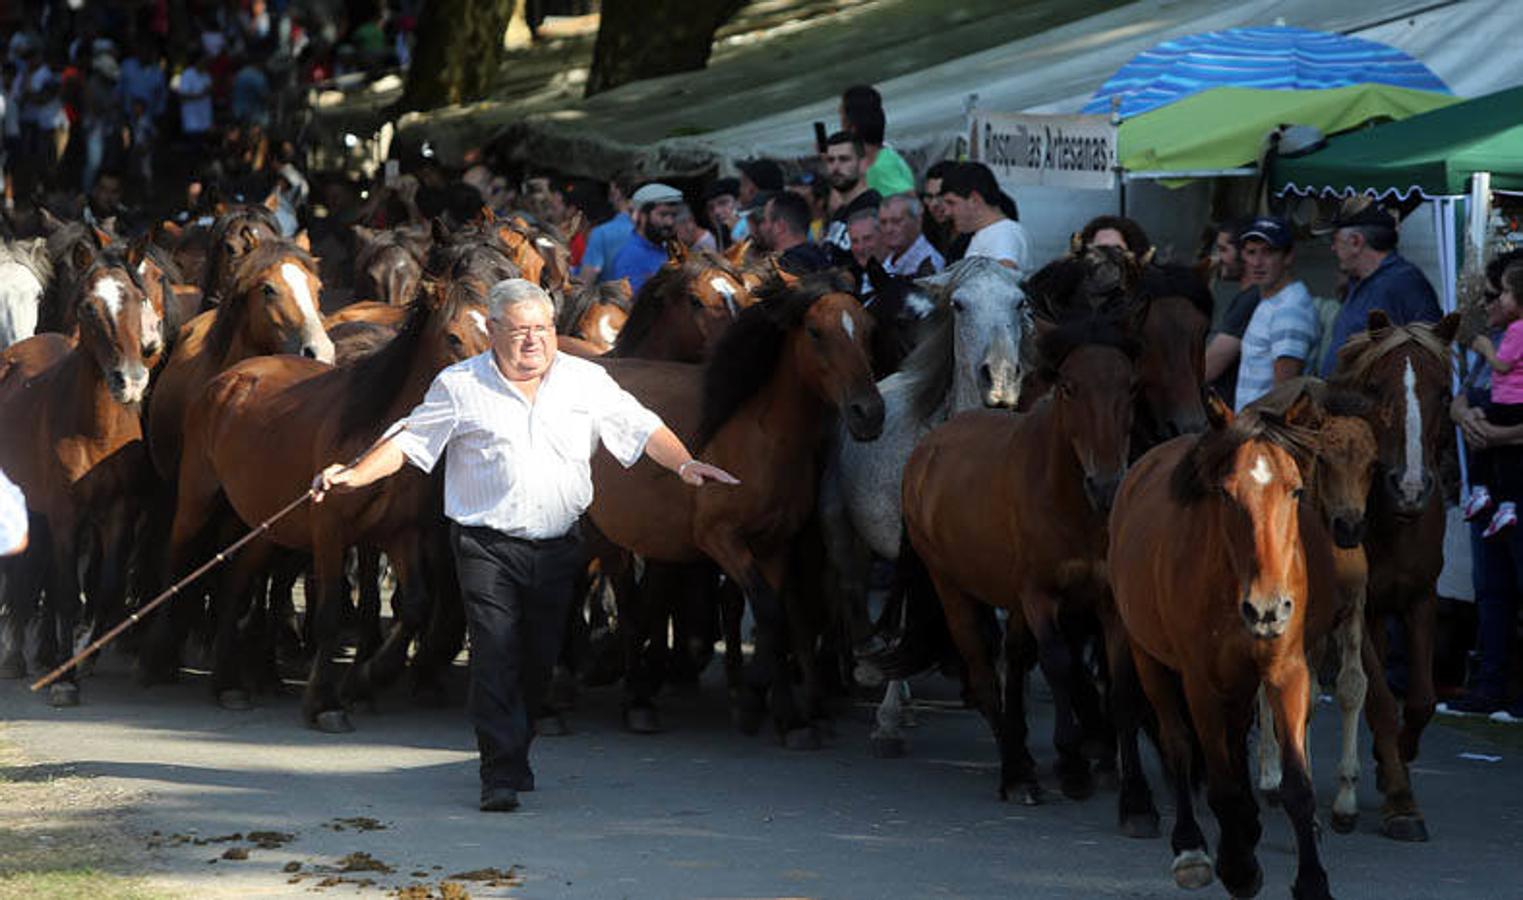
(539, 331)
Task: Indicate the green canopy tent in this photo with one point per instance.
(1222, 130)
(1434, 154)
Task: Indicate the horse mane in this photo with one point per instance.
(383, 241)
(245, 278)
(1054, 345)
(1363, 350)
(168, 279)
(29, 255)
(932, 366)
(1209, 460)
(748, 352)
(470, 255)
(670, 282)
(1161, 280)
(576, 305)
(381, 375)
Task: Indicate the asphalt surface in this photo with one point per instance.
(699, 811)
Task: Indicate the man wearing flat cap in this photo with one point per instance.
(654, 208)
(1364, 240)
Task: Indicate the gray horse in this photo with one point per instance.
(975, 354)
(24, 273)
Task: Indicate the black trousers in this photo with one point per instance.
(517, 594)
(1501, 468)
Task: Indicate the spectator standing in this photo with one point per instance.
(757, 177)
(194, 88)
(655, 218)
(250, 94)
(143, 134)
(690, 233)
(719, 204)
(606, 240)
(785, 223)
(905, 246)
(973, 201)
(100, 118)
(42, 114)
(1282, 333)
(142, 80)
(846, 164)
(1225, 347)
(1364, 240)
(862, 115)
(1498, 473)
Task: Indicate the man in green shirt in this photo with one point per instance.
(862, 115)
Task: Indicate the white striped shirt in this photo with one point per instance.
(12, 516)
(523, 469)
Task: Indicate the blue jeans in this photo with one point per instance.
(1497, 577)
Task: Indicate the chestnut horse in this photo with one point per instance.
(1404, 370)
(258, 433)
(761, 409)
(595, 315)
(1009, 510)
(680, 312)
(235, 233)
(1215, 563)
(71, 437)
(389, 264)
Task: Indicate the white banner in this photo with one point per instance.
(1054, 151)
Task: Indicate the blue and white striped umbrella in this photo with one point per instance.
(1278, 58)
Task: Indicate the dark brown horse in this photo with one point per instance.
(595, 315)
(1404, 370)
(71, 437)
(1215, 563)
(681, 311)
(760, 409)
(235, 233)
(389, 264)
(259, 432)
(1009, 510)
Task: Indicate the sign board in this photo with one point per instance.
(1053, 151)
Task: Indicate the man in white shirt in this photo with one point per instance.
(971, 196)
(521, 423)
(899, 219)
(1282, 334)
(13, 523)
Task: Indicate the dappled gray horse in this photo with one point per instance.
(974, 355)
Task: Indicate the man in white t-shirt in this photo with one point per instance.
(971, 196)
(195, 90)
(1282, 334)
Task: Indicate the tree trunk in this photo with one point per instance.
(460, 46)
(646, 38)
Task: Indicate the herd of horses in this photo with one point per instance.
(1039, 446)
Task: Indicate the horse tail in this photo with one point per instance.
(923, 641)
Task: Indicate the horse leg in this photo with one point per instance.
(1420, 621)
(444, 635)
(1400, 818)
(1192, 867)
(1137, 815)
(368, 622)
(1351, 692)
(887, 740)
(1270, 771)
(641, 678)
(770, 672)
(409, 607)
(1222, 723)
(1040, 609)
(1016, 765)
(234, 598)
(1290, 697)
(24, 576)
(732, 609)
(321, 706)
(61, 611)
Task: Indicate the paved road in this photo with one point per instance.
(697, 812)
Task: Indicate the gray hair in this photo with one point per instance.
(910, 201)
(514, 291)
(862, 215)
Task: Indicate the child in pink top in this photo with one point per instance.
(1502, 467)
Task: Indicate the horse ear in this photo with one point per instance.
(877, 276)
(927, 267)
(1378, 323)
(83, 256)
(137, 251)
(167, 228)
(50, 222)
(1147, 258)
(302, 240)
(439, 230)
(623, 286)
(488, 216)
(366, 235)
(574, 223)
(219, 209)
(676, 253)
(1218, 414)
(1075, 244)
(735, 254)
(1447, 328)
(272, 202)
(102, 237)
(511, 238)
(1304, 412)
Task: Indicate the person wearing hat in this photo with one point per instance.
(1364, 240)
(720, 207)
(1282, 335)
(655, 218)
(759, 179)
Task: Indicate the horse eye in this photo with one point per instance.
(269, 290)
(813, 332)
(697, 301)
(958, 305)
(454, 340)
(1298, 493)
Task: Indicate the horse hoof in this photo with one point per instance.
(1411, 829)
(63, 694)
(12, 669)
(1026, 794)
(1251, 888)
(551, 726)
(234, 699)
(747, 720)
(642, 720)
(1344, 823)
(333, 721)
(1077, 787)
(1271, 797)
(1192, 870)
(887, 747)
(806, 738)
(1143, 826)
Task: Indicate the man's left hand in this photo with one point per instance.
(696, 472)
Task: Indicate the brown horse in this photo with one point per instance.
(256, 436)
(1404, 370)
(680, 312)
(389, 264)
(235, 233)
(1215, 564)
(71, 437)
(760, 408)
(1009, 510)
(596, 314)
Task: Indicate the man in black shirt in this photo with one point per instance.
(846, 164)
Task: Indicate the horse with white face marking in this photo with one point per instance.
(1404, 371)
(25, 271)
(974, 355)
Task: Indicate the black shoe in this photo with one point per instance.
(499, 799)
(1471, 703)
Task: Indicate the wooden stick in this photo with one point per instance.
(138, 615)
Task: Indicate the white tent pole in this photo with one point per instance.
(1445, 210)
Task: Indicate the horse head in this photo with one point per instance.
(458, 318)
(388, 266)
(1404, 371)
(276, 290)
(991, 327)
(110, 313)
(1090, 363)
(833, 348)
(1171, 368)
(1345, 466)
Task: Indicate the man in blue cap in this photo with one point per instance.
(644, 253)
(1282, 335)
(1364, 240)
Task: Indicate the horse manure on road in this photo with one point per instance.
(357, 823)
(236, 853)
(292, 866)
(447, 890)
(359, 861)
(270, 840)
(493, 877)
